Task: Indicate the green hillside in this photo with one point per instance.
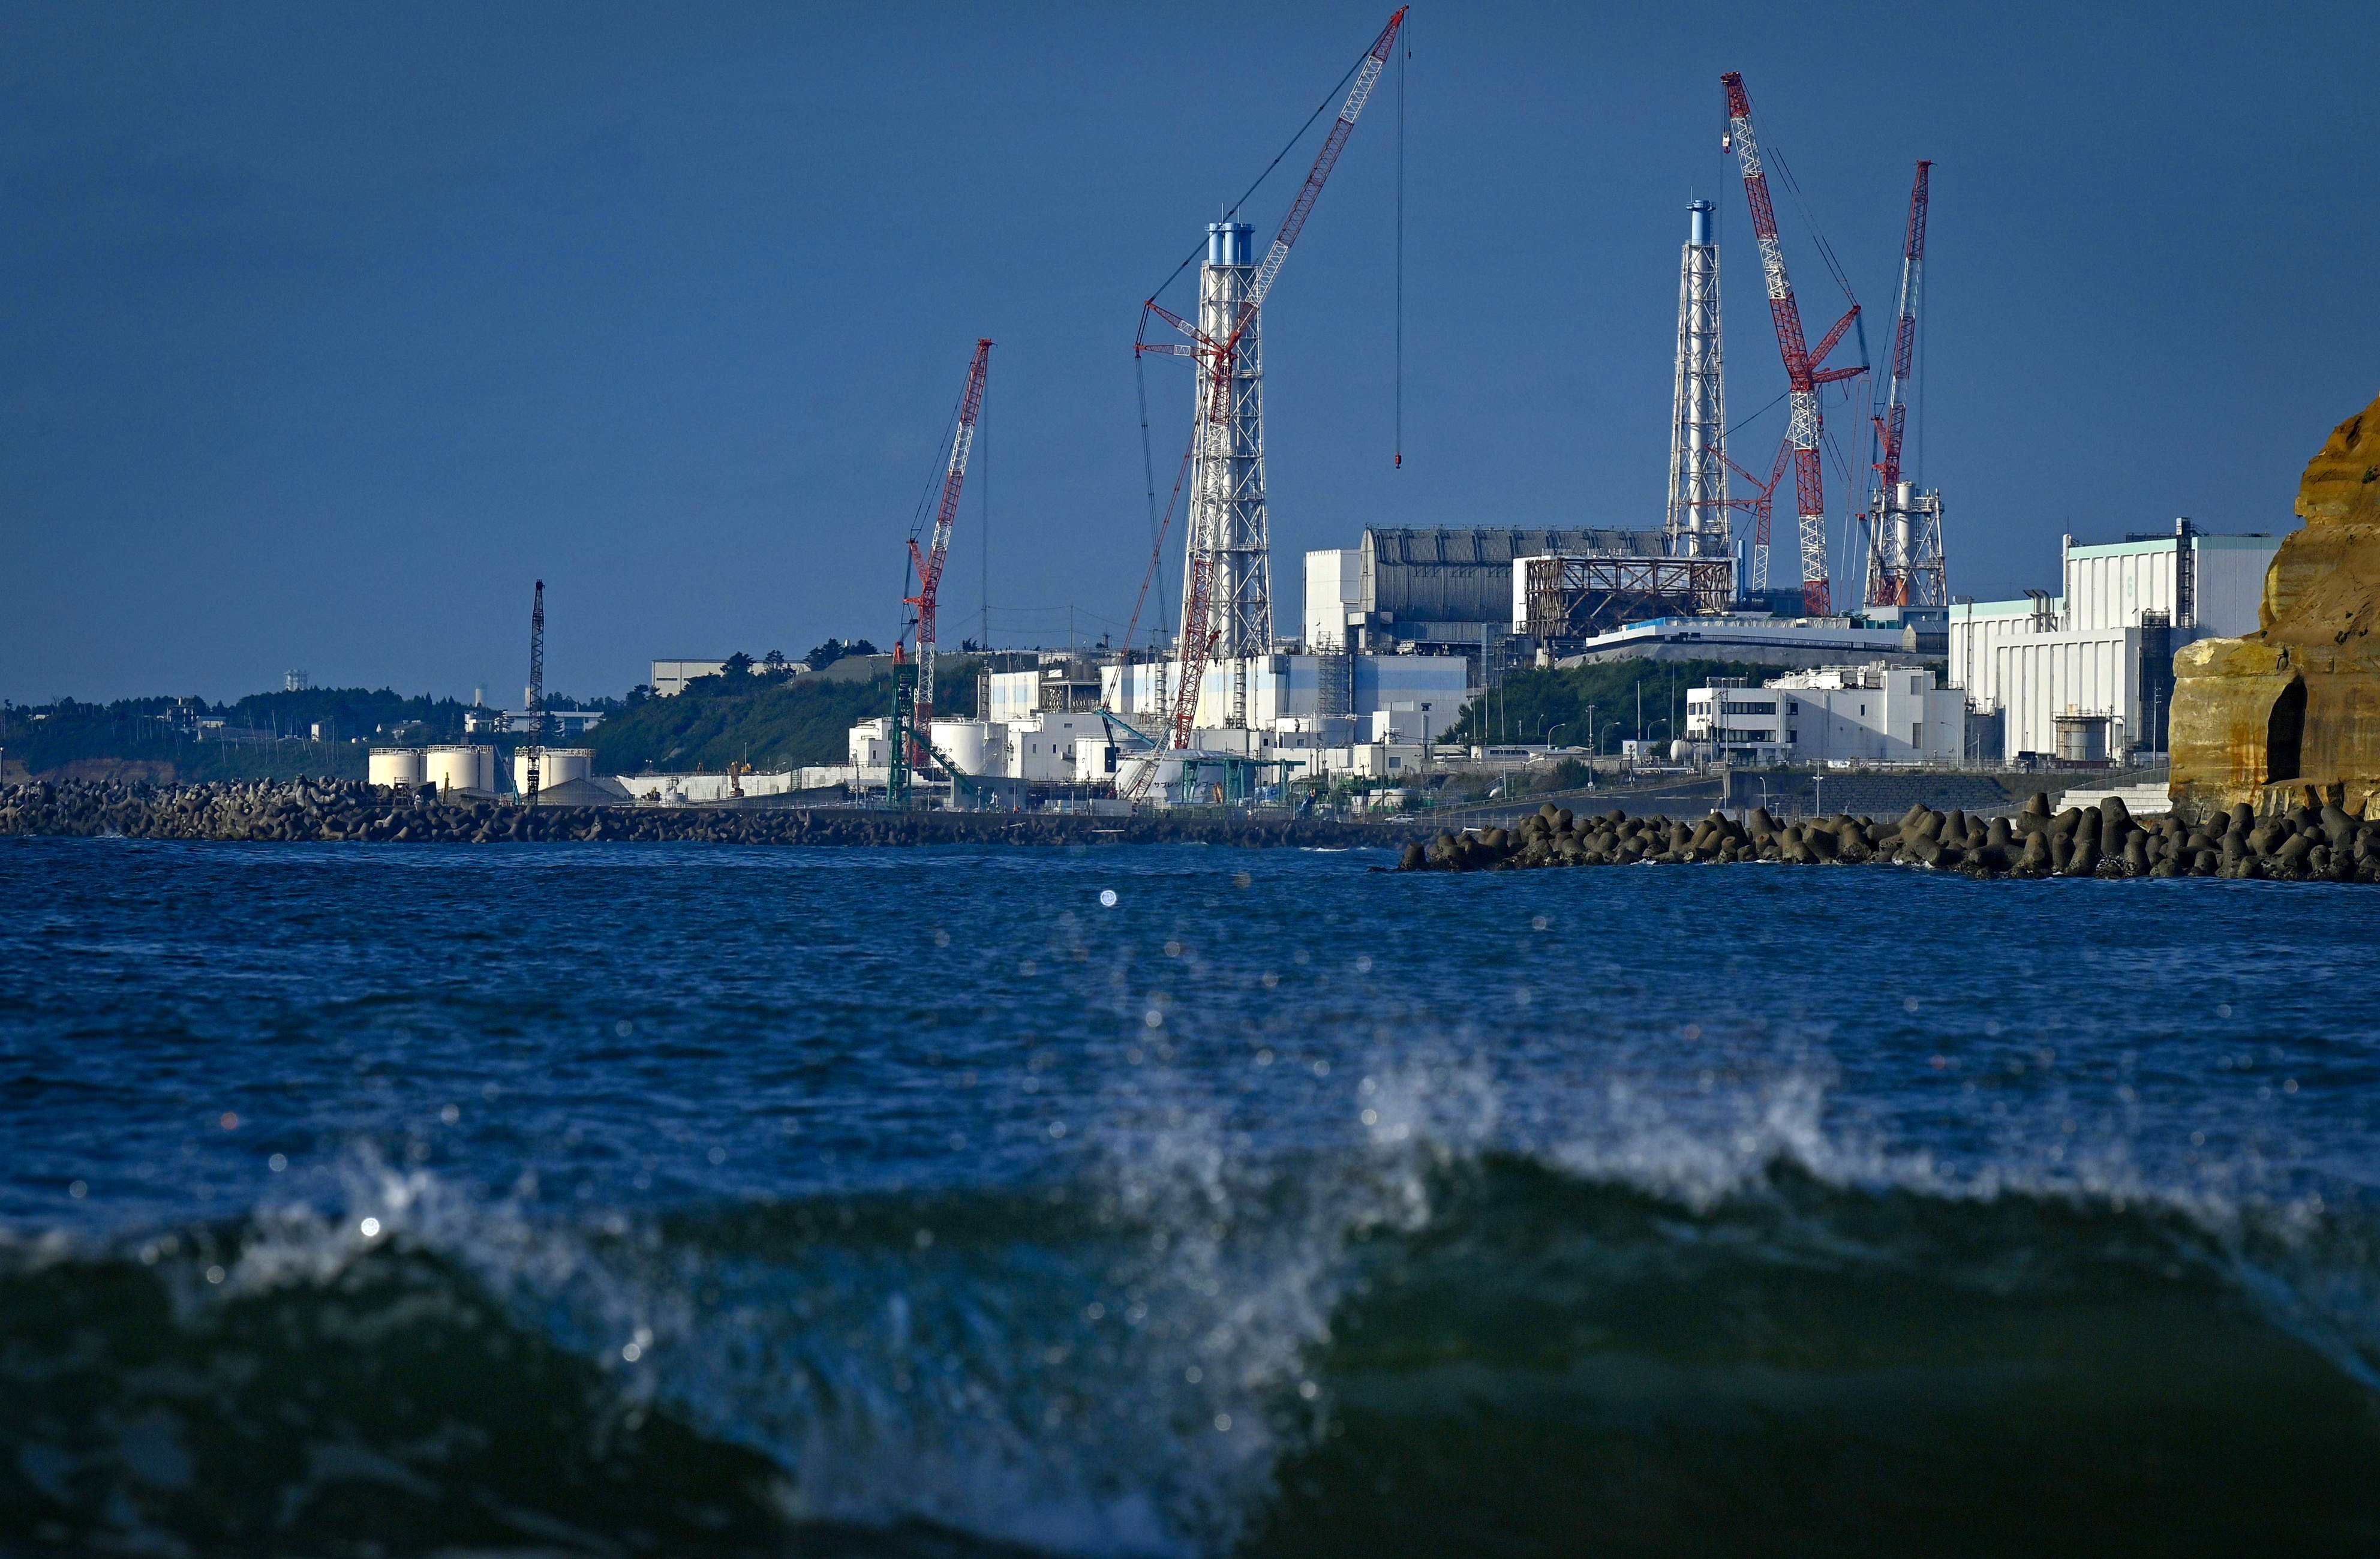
(141, 738)
(767, 723)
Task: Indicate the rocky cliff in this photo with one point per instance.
(2289, 716)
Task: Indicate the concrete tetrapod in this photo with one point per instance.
(2303, 844)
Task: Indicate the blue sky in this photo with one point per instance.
(323, 331)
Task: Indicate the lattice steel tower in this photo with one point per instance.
(1229, 542)
(1696, 523)
(1905, 566)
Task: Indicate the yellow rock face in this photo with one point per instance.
(2291, 713)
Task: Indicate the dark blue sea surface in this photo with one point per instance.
(697, 1200)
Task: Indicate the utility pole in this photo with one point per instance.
(536, 690)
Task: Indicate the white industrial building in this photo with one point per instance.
(1448, 588)
(1803, 641)
(1872, 714)
(1040, 747)
(670, 677)
(1297, 689)
(2088, 674)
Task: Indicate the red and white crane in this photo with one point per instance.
(1904, 555)
(1804, 373)
(1227, 589)
(929, 560)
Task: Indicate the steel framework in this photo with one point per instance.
(1905, 566)
(1577, 597)
(1762, 509)
(929, 561)
(1227, 583)
(1697, 523)
(913, 683)
(1802, 373)
(536, 690)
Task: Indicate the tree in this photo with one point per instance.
(735, 665)
(834, 650)
(774, 663)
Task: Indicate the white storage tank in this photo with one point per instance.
(559, 766)
(977, 746)
(454, 769)
(2082, 738)
(400, 766)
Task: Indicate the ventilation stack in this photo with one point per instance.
(1697, 523)
(1230, 540)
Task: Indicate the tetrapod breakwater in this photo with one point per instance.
(2307, 844)
(321, 811)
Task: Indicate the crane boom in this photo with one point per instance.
(1368, 76)
(929, 560)
(1904, 331)
(1896, 554)
(1218, 361)
(1802, 375)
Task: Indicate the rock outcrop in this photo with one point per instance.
(2289, 716)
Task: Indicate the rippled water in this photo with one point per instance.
(698, 1199)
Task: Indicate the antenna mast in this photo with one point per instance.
(536, 690)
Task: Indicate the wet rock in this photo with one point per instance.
(2293, 709)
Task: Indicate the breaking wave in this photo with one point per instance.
(1414, 1350)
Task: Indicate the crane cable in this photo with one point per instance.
(1139, 368)
(1404, 53)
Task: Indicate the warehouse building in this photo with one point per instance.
(1872, 714)
(1442, 590)
(2087, 675)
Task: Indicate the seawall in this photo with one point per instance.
(305, 810)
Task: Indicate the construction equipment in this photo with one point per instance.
(1227, 588)
(913, 694)
(1904, 552)
(1803, 372)
(536, 690)
(929, 562)
(1761, 509)
(900, 757)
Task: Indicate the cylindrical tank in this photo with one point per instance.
(973, 745)
(395, 765)
(2082, 738)
(454, 769)
(1231, 243)
(559, 765)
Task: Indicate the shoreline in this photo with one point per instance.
(326, 812)
(2306, 844)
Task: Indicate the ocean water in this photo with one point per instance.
(687, 1200)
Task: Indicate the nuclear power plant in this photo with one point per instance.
(1402, 626)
